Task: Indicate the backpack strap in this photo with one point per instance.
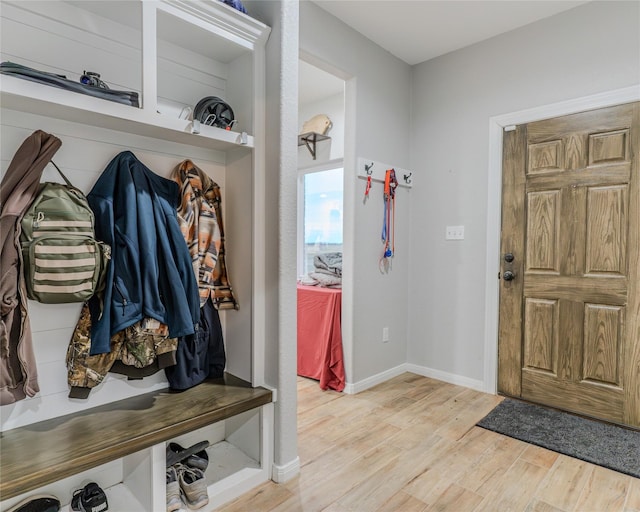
(63, 176)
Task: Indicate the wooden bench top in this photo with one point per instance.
(47, 451)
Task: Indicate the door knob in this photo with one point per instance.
(509, 257)
(508, 275)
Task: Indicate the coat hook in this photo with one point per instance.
(367, 169)
(407, 178)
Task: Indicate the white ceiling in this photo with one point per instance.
(419, 30)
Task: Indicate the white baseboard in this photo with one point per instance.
(282, 474)
(369, 382)
(451, 378)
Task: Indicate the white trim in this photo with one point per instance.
(259, 277)
(328, 165)
(274, 392)
(374, 380)
(149, 57)
(451, 378)
(282, 474)
(348, 226)
(494, 203)
(491, 296)
(219, 19)
(300, 225)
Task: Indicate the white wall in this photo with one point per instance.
(281, 210)
(332, 149)
(589, 49)
(378, 85)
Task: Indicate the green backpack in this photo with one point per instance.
(63, 262)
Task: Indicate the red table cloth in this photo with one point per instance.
(320, 354)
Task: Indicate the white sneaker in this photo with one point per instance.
(194, 487)
(173, 490)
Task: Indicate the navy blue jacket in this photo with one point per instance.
(150, 273)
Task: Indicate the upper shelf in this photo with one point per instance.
(232, 28)
(310, 139)
(25, 96)
(172, 52)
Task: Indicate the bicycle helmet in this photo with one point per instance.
(213, 111)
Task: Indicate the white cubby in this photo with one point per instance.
(172, 53)
(239, 453)
(239, 459)
(127, 483)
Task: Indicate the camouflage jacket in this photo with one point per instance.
(138, 351)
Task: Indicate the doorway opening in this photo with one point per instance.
(320, 221)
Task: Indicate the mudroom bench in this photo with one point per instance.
(121, 445)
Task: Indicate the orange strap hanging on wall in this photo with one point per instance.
(388, 224)
(368, 188)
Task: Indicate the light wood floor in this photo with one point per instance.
(410, 445)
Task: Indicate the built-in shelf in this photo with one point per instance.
(172, 53)
(310, 139)
(26, 96)
(92, 437)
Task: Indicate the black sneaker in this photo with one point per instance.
(89, 499)
(39, 503)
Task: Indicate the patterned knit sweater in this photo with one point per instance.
(200, 219)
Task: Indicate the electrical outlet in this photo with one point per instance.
(385, 334)
(454, 233)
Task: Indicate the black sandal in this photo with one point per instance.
(176, 453)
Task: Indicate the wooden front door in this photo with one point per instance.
(569, 333)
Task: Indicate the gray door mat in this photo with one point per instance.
(600, 443)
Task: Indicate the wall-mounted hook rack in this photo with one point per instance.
(310, 139)
(376, 170)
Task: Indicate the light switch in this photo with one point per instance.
(454, 233)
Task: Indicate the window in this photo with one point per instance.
(321, 194)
